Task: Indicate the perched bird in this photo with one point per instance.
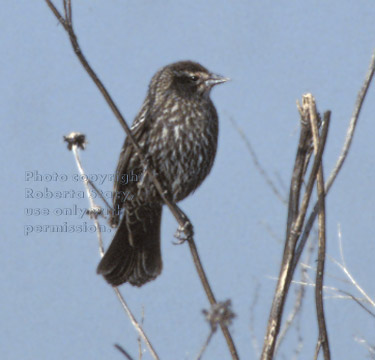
(177, 128)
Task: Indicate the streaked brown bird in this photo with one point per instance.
(177, 128)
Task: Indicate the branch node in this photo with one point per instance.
(219, 313)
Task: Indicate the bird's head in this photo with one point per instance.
(191, 78)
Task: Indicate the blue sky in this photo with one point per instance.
(53, 304)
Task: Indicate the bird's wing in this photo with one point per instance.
(128, 162)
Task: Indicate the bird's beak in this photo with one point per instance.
(215, 79)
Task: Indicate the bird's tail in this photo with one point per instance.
(134, 255)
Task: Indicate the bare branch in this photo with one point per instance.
(323, 336)
(76, 140)
(295, 222)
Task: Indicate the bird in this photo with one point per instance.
(177, 131)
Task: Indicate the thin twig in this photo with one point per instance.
(370, 348)
(182, 219)
(135, 323)
(358, 302)
(205, 345)
(256, 162)
(309, 267)
(297, 180)
(91, 200)
(299, 346)
(323, 336)
(270, 231)
(353, 281)
(253, 304)
(335, 291)
(123, 351)
(140, 352)
(353, 122)
(100, 195)
(317, 349)
(344, 268)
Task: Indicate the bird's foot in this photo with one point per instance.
(184, 233)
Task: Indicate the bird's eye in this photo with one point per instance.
(194, 78)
